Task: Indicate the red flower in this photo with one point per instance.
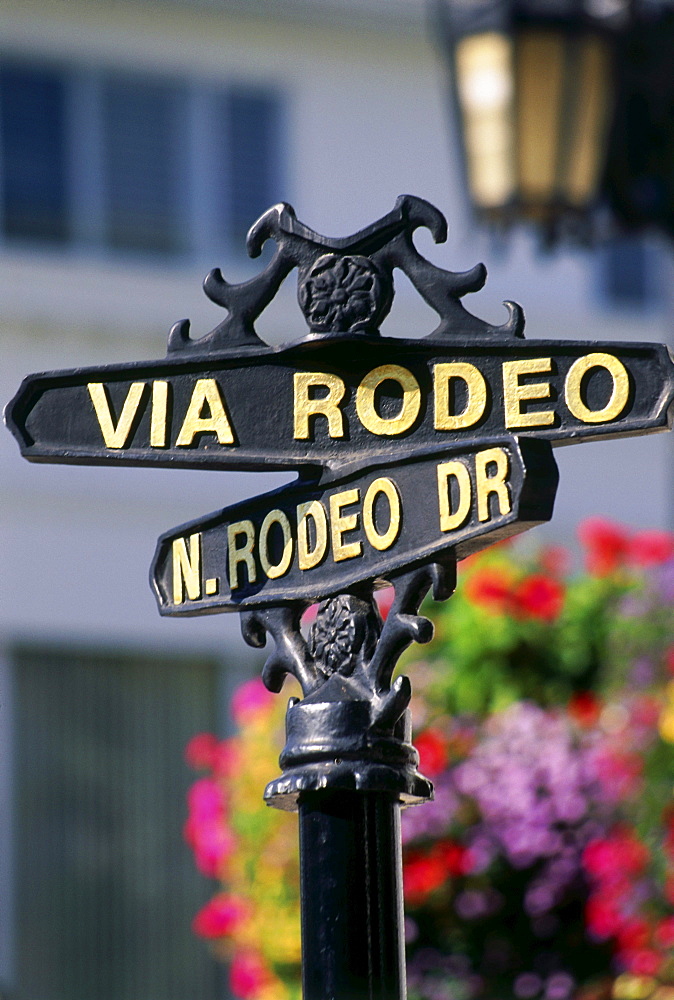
(539, 596)
(490, 588)
(606, 544)
(433, 752)
(633, 935)
(650, 548)
(585, 708)
(644, 962)
(384, 600)
(248, 975)
(426, 871)
(219, 917)
(603, 919)
(664, 933)
(456, 858)
(422, 875)
(201, 750)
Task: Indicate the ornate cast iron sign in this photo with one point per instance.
(411, 453)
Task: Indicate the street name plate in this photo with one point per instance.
(336, 403)
(308, 542)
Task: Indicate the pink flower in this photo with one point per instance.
(252, 700)
(205, 801)
(213, 844)
(618, 772)
(226, 759)
(248, 975)
(201, 750)
(219, 917)
(618, 855)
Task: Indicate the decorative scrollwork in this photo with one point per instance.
(345, 294)
(345, 284)
(352, 728)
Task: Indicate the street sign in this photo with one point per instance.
(336, 403)
(310, 541)
(412, 453)
(349, 409)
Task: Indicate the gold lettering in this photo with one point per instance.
(365, 399)
(477, 395)
(159, 413)
(620, 392)
(515, 394)
(115, 437)
(450, 519)
(341, 523)
(328, 406)
(244, 553)
(206, 391)
(274, 570)
(382, 540)
(496, 483)
(307, 557)
(186, 568)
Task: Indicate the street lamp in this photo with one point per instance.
(534, 82)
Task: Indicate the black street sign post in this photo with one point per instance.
(411, 454)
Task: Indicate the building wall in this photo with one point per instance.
(366, 119)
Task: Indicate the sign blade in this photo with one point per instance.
(308, 542)
(334, 404)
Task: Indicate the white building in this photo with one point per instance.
(138, 140)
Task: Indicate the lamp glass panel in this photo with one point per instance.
(484, 78)
(589, 122)
(540, 61)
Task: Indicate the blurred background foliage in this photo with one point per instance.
(544, 714)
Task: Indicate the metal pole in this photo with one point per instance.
(352, 899)
(348, 766)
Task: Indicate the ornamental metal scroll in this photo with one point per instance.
(345, 284)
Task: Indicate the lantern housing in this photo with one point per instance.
(534, 85)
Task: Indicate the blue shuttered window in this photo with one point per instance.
(143, 135)
(254, 120)
(33, 154)
(135, 163)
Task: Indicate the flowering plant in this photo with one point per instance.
(545, 717)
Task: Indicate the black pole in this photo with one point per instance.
(348, 767)
(352, 900)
